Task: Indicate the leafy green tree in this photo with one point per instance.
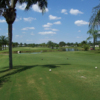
(15, 44)
(83, 43)
(25, 45)
(8, 11)
(56, 46)
(76, 44)
(93, 34)
(21, 44)
(42, 45)
(61, 44)
(33, 45)
(68, 44)
(50, 44)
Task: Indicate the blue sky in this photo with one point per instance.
(64, 20)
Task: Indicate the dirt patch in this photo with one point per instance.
(47, 77)
(83, 77)
(31, 81)
(40, 78)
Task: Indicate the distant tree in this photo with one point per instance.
(68, 44)
(43, 45)
(90, 43)
(21, 44)
(76, 44)
(36, 45)
(61, 44)
(56, 46)
(8, 11)
(4, 41)
(15, 44)
(50, 44)
(83, 42)
(71, 44)
(93, 34)
(33, 45)
(25, 45)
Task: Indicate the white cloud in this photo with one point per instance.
(47, 32)
(78, 37)
(2, 21)
(36, 8)
(29, 19)
(75, 12)
(51, 29)
(48, 25)
(58, 22)
(64, 11)
(18, 19)
(51, 17)
(16, 35)
(6, 33)
(27, 28)
(21, 7)
(54, 29)
(81, 22)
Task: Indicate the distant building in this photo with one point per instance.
(96, 45)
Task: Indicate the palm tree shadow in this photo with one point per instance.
(21, 68)
(53, 65)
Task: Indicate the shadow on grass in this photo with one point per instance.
(20, 68)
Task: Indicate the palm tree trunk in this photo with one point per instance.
(10, 45)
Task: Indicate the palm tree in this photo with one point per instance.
(93, 34)
(94, 21)
(4, 41)
(8, 11)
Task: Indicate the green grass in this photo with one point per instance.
(26, 49)
(73, 76)
(31, 49)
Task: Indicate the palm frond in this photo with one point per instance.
(89, 38)
(3, 5)
(94, 21)
(41, 3)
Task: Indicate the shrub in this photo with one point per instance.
(86, 47)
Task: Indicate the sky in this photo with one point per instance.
(63, 20)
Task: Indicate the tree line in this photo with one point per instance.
(4, 43)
